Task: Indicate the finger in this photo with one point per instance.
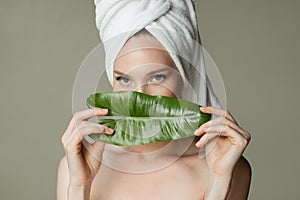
(82, 125)
(233, 135)
(82, 115)
(202, 129)
(205, 139)
(74, 140)
(85, 115)
(199, 131)
(226, 130)
(74, 146)
(218, 112)
(227, 124)
(89, 128)
(218, 121)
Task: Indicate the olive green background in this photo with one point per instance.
(254, 43)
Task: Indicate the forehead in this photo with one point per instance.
(143, 50)
(140, 42)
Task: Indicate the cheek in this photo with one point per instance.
(117, 87)
(170, 89)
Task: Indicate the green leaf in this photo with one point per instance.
(138, 118)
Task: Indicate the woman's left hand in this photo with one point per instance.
(230, 145)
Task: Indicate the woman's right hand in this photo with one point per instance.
(83, 166)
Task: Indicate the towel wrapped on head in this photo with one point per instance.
(173, 23)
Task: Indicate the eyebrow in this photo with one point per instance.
(159, 70)
(152, 72)
(117, 72)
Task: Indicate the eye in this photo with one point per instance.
(123, 80)
(158, 78)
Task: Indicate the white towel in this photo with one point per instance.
(173, 23)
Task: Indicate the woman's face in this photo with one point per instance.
(146, 70)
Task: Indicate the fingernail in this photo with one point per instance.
(104, 110)
(110, 130)
(202, 108)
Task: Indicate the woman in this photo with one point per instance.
(223, 174)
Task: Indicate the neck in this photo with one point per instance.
(146, 148)
(148, 157)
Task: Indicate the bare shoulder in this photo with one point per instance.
(62, 179)
(63, 166)
(241, 180)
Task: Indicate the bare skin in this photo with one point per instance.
(223, 174)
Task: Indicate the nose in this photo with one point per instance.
(141, 88)
(150, 90)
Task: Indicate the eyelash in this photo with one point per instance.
(159, 75)
(119, 78)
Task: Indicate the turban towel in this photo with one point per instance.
(173, 23)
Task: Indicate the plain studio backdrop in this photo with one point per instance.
(255, 45)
